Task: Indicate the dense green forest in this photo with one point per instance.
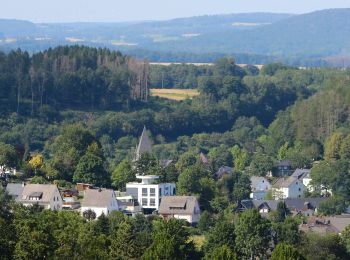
(44, 94)
(74, 114)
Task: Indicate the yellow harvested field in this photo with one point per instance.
(174, 94)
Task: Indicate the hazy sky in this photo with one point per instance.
(129, 10)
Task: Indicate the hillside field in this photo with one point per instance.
(174, 94)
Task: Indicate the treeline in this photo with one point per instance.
(27, 230)
(69, 77)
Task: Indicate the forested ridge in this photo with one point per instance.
(244, 118)
(69, 77)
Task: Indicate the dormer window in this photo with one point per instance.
(35, 196)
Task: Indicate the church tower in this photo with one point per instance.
(144, 146)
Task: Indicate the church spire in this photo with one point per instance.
(144, 146)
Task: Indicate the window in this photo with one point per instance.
(144, 192)
(299, 189)
(152, 192)
(152, 202)
(144, 202)
(160, 191)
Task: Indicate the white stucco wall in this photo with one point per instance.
(112, 206)
(167, 189)
(56, 201)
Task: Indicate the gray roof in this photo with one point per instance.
(97, 198)
(271, 204)
(144, 146)
(298, 174)
(299, 204)
(47, 191)
(292, 204)
(255, 180)
(284, 182)
(15, 190)
(178, 205)
(246, 204)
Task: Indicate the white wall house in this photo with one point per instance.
(294, 186)
(45, 195)
(260, 187)
(180, 207)
(149, 193)
(288, 188)
(100, 201)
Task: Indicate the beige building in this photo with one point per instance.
(45, 195)
(180, 207)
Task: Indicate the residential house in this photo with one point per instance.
(45, 195)
(324, 225)
(180, 207)
(144, 145)
(149, 192)
(70, 199)
(260, 187)
(302, 207)
(282, 168)
(100, 201)
(291, 187)
(15, 190)
(5, 171)
(307, 182)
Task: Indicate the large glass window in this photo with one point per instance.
(152, 192)
(144, 192)
(144, 202)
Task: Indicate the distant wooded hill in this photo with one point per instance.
(305, 40)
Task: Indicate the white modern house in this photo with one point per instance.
(99, 201)
(148, 192)
(45, 195)
(260, 187)
(180, 207)
(128, 205)
(291, 187)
